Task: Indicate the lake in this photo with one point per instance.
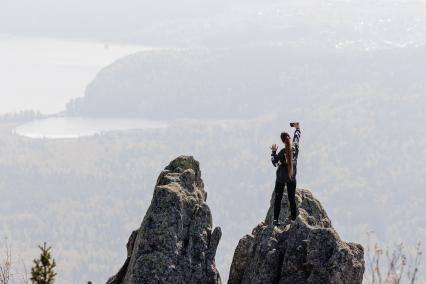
(73, 127)
(44, 74)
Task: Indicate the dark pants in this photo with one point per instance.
(291, 192)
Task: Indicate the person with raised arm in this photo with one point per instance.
(286, 161)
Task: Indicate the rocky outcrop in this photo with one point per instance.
(175, 243)
(306, 251)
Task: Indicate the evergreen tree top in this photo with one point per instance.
(43, 270)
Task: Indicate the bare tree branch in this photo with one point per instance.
(396, 264)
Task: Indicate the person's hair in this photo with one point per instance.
(285, 137)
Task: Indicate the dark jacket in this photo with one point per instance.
(279, 160)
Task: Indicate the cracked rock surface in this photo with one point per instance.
(175, 243)
(306, 251)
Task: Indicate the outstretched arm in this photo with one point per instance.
(296, 138)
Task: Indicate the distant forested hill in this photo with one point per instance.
(247, 82)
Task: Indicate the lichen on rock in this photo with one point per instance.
(307, 251)
(175, 243)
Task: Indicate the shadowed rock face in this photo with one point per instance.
(306, 251)
(175, 243)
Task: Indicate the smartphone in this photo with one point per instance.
(293, 124)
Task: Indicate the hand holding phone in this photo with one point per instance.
(294, 124)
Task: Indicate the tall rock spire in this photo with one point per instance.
(175, 243)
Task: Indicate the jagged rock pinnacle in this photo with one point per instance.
(308, 251)
(175, 243)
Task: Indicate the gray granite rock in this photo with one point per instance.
(307, 251)
(175, 243)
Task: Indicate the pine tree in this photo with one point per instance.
(43, 270)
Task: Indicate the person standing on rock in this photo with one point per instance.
(286, 161)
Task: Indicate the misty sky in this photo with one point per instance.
(35, 45)
(43, 74)
(56, 47)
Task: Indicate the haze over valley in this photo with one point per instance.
(124, 89)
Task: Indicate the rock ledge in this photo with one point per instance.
(306, 251)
